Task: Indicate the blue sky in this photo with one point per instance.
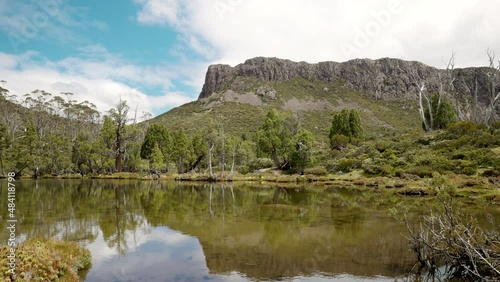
(154, 53)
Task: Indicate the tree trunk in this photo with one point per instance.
(431, 118)
(210, 160)
(223, 163)
(118, 148)
(232, 166)
(195, 164)
(275, 158)
(421, 107)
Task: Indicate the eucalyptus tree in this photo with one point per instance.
(346, 126)
(5, 142)
(106, 144)
(284, 141)
(302, 154)
(234, 145)
(119, 117)
(84, 153)
(157, 134)
(199, 145)
(9, 112)
(39, 102)
(182, 152)
(442, 111)
(493, 73)
(156, 161)
(275, 139)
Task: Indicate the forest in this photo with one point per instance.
(46, 135)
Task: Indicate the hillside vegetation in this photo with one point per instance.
(265, 114)
(313, 102)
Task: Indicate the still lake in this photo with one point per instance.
(171, 231)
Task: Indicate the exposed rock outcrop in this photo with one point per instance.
(385, 79)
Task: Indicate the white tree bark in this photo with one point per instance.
(493, 75)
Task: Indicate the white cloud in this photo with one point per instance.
(231, 31)
(302, 30)
(102, 80)
(160, 11)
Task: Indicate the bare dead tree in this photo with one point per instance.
(447, 88)
(493, 74)
(223, 149)
(417, 79)
(450, 238)
(210, 153)
(120, 119)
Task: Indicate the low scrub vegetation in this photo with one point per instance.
(450, 244)
(45, 260)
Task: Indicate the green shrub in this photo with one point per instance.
(243, 169)
(338, 141)
(399, 172)
(435, 162)
(402, 145)
(420, 171)
(72, 176)
(356, 141)
(371, 169)
(125, 175)
(391, 154)
(486, 140)
(463, 167)
(400, 162)
(468, 128)
(382, 146)
(495, 126)
(466, 170)
(460, 142)
(317, 170)
(491, 173)
(347, 165)
(424, 140)
(387, 170)
(46, 260)
(458, 156)
(484, 158)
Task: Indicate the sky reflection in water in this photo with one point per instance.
(156, 231)
(162, 254)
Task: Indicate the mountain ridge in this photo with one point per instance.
(385, 78)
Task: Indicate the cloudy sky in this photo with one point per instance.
(154, 53)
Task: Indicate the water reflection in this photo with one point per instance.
(159, 255)
(153, 231)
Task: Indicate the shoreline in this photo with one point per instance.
(473, 187)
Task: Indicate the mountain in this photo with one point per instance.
(384, 91)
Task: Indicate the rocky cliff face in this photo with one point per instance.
(385, 78)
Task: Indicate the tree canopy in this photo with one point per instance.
(346, 126)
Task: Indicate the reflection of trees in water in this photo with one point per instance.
(71, 210)
(347, 218)
(52, 209)
(273, 228)
(291, 196)
(346, 209)
(121, 216)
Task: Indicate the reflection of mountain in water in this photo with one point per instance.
(272, 239)
(262, 232)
